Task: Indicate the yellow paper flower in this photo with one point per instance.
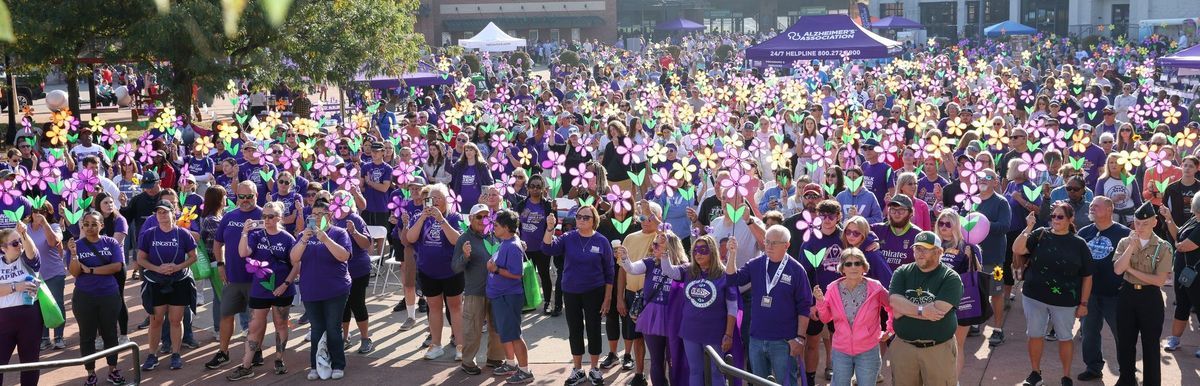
(1171, 117)
(683, 170)
(203, 144)
(1186, 138)
(707, 158)
(656, 154)
(185, 218)
(305, 149)
(97, 123)
(1130, 160)
(227, 132)
(1080, 141)
(937, 146)
(261, 131)
(58, 135)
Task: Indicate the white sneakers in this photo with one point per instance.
(434, 352)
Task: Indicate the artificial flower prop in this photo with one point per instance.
(664, 184)
(186, 217)
(809, 225)
(619, 199)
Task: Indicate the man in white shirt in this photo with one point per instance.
(87, 147)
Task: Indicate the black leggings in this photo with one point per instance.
(357, 302)
(558, 292)
(123, 315)
(541, 262)
(96, 313)
(581, 308)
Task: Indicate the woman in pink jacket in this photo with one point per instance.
(853, 306)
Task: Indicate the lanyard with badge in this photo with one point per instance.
(772, 281)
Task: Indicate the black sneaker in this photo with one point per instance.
(491, 363)
(240, 373)
(258, 359)
(422, 306)
(974, 331)
(1034, 379)
(280, 368)
(627, 363)
(144, 324)
(217, 360)
(400, 307)
(1090, 375)
(547, 309)
(609, 361)
(470, 370)
(557, 311)
(428, 340)
(191, 344)
(1066, 381)
(997, 338)
(596, 377)
(638, 380)
(576, 377)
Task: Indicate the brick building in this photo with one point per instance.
(443, 22)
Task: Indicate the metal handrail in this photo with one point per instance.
(711, 355)
(43, 365)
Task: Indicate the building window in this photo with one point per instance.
(1045, 15)
(533, 36)
(554, 35)
(782, 22)
(993, 12)
(891, 9)
(940, 19)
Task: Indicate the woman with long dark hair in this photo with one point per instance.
(97, 261)
(469, 175)
(322, 252)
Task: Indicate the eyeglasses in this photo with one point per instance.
(831, 175)
(945, 224)
(319, 214)
(15, 243)
(310, 194)
(829, 216)
(989, 178)
(898, 209)
(849, 264)
(285, 182)
(480, 217)
(245, 196)
(1106, 142)
(853, 233)
(1058, 217)
(1016, 136)
(584, 217)
(533, 186)
(701, 249)
(811, 196)
(1074, 188)
(271, 216)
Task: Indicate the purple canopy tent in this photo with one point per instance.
(426, 75)
(679, 24)
(1188, 58)
(823, 37)
(896, 22)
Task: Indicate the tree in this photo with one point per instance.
(320, 40)
(62, 32)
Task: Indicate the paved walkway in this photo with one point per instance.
(396, 359)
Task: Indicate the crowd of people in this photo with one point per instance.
(879, 212)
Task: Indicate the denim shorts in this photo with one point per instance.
(506, 315)
(1039, 316)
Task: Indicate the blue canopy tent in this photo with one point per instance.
(426, 75)
(1008, 28)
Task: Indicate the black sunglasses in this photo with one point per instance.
(245, 196)
(853, 264)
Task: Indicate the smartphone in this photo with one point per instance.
(311, 223)
(428, 201)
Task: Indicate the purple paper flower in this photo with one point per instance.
(260, 269)
(87, 180)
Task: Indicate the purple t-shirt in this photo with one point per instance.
(276, 251)
(470, 190)
(587, 261)
(704, 307)
(376, 201)
(360, 259)
(250, 172)
(322, 276)
(508, 257)
(1094, 159)
(875, 179)
(533, 226)
(103, 252)
(434, 249)
(896, 249)
(790, 298)
(826, 270)
(229, 232)
(926, 188)
(289, 201)
(19, 201)
(170, 247)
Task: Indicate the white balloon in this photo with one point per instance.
(56, 100)
(123, 97)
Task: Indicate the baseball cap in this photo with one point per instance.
(927, 239)
(149, 179)
(901, 200)
(812, 188)
(164, 204)
(871, 142)
(479, 208)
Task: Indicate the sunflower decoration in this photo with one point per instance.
(97, 124)
(260, 130)
(227, 131)
(707, 158)
(936, 146)
(998, 273)
(304, 126)
(1080, 140)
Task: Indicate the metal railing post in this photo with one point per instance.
(44, 365)
(712, 357)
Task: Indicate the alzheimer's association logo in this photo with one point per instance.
(702, 293)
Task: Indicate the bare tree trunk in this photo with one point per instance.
(72, 75)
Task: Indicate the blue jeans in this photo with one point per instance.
(1101, 310)
(772, 357)
(187, 330)
(243, 318)
(864, 365)
(325, 317)
(56, 285)
(695, 358)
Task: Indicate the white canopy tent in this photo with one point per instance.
(492, 39)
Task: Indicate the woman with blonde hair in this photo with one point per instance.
(855, 304)
(963, 258)
(710, 306)
(654, 320)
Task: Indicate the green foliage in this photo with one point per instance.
(455, 51)
(723, 52)
(472, 61)
(569, 58)
(523, 57)
(675, 51)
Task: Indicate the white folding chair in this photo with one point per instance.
(378, 251)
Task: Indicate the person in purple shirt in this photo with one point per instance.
(589, 271)
(165, 253)
(292, 200)
(876, 175)
(253, 169)
(322, 252)
(469, 175)
(507, 296)
(266, 246)
(20, 322)
(710, 306)
(236, 296)
(533, 211)
(360, 276)
(961, 257)
(97, 301)
(781, 297)
(896, 235)
(377, 184)
(434, 233)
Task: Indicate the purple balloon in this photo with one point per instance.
(977, 231)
